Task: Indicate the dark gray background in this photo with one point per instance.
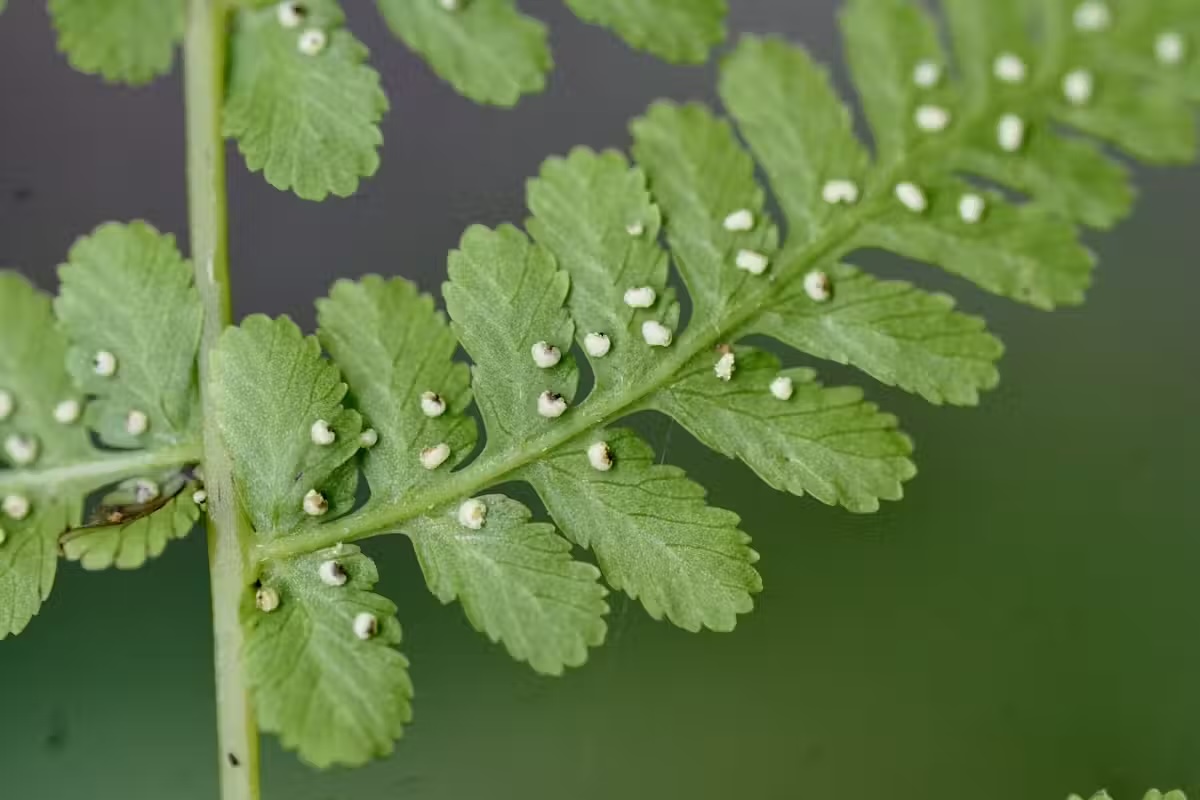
(1023, 625)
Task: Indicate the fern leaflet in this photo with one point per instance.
(133, 387)
(302, 103)
(588, 289)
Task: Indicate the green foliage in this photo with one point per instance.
(501, 271)
(824, 442)
(587, 292)
(49, 463)
(516, 581)
(488, 50)
(492, 53)
(595, 232)
(129, 544)
(371, 327)
(118, 269)
(653, 534)
(301, 102)
(682, 31)
(270, 386)
(125, 41)
(582, 208)
(34, 380)
(333, 696)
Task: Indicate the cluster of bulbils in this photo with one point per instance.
(292, 15)
(333, 574)
(1078, 88)
(23, 450)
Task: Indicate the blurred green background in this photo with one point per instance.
(1023, 625)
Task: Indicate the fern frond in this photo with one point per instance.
(122, 41)
(593, 282)
(129, 543)
(487, 49)
(320, 658)
(301, 102)
(492, 53)
(134, 389)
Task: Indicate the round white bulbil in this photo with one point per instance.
(911, 197)
(21, 450)
(600, 456)
(597, 345)
(366, 625)
(368, 438)
(332, 573)
(104, 364)
(434, 457)
(199, 497)
(740, 220)
(266, 599)
(1078, 87)
(432, 404)
(782, 387)
(635, 228)
(818, 286)
(545, 355)
(67, 412)
(16, 506)
(725, 366)
(971, 208)
(656, 334)
(312, 41)
(321, 433)
(1009, 68)
(290, 14)
(752, 262)
(551, 404)
(472, 514)
(136, 422)
(1170, 48)
(931, 118)
(927, 74)
(843, 192)
(1092, 16)
(314, 503)
(1010, 133)
(640, 297)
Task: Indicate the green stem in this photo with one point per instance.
(228, 532)
(107, 467)
(387, 516)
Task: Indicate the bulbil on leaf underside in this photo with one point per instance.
(1038, 88)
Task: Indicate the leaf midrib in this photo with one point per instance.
(108, 465)
(491, 469)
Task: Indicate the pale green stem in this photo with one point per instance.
(388, 516)
(228, 532)
(491, 469)
(105, 468)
